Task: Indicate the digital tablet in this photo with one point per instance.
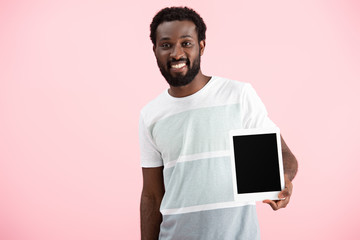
(257, 166)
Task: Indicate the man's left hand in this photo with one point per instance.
(283, 195)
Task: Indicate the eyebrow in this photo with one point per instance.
(186, 36)
(183, 36)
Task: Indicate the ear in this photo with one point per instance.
(202, 47)
(154, 49)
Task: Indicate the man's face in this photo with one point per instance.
(178, 51)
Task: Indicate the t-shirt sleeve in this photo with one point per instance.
(149, 154)
(255, 114)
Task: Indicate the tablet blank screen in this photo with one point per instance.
(256, 163)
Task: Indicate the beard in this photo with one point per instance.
(180, 80)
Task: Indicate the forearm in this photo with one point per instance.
(290, 165)
(289, 161)
(150, 216)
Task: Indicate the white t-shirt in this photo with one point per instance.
(189, 136)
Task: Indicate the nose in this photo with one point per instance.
(177, 52)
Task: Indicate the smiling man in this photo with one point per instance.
(187, 183)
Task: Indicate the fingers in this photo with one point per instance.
(276, 205)
(272, 204)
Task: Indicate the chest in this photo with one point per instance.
(196, 131)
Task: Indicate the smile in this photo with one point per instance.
(177, 66)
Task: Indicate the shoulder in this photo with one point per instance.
(154, 108)
(154, 104)
(230, 87)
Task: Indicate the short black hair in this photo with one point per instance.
(177, 14)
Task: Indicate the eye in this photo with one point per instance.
(186, 44)
(165, 45)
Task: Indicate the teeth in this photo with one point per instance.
(180, 65)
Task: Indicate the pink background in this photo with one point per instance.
(75, 74)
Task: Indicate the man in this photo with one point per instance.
(187, 184)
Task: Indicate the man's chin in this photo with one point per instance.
(178, 75)
(179, 82)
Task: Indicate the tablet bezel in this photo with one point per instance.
(256, 196)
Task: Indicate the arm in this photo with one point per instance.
(289, 160)
(151, 196)
(290, 170)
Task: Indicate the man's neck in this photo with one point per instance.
(198, 83)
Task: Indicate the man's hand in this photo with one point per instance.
(283, 195)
